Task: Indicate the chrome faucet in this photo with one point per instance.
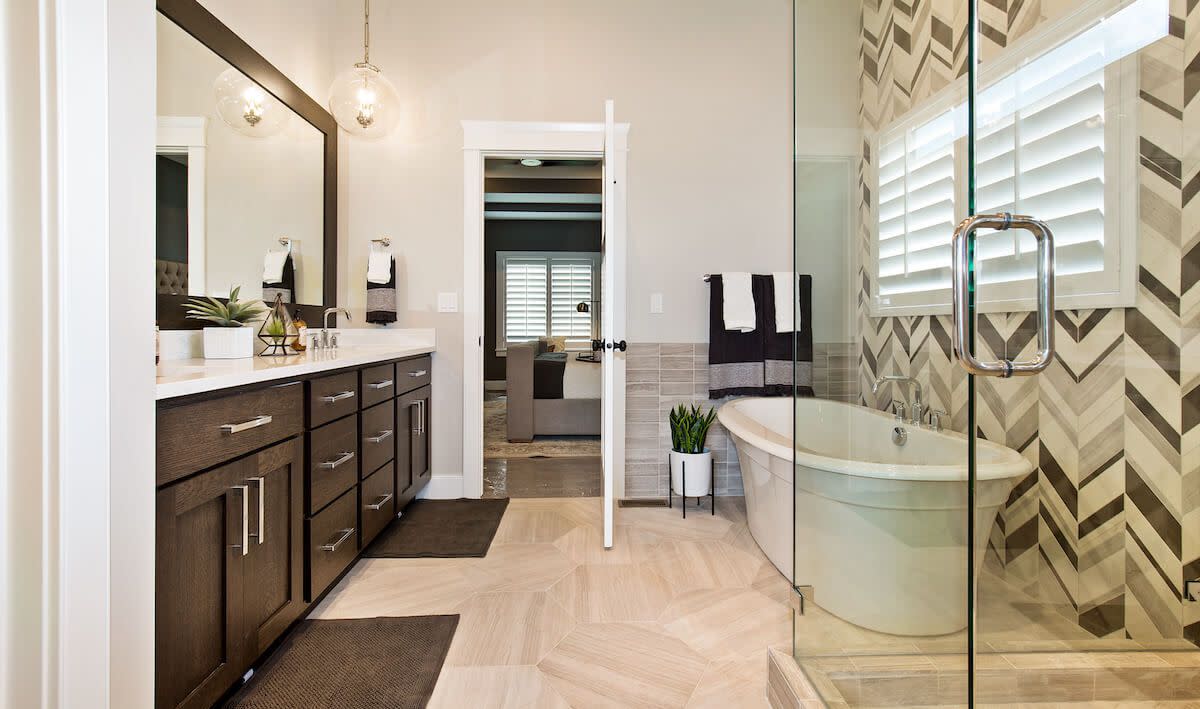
(916, 407)
(326, 341)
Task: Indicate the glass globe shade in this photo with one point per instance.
(363, 102)
(247, 107)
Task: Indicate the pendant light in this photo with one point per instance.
(246, 107)
(361, 99)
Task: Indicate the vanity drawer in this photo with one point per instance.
(332, 397)
(378, 384)
(378, 437)
(332, 461)
(332, 542)
(378, 502)
(199, 435)
(413, 374)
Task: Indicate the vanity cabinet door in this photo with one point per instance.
(202, 530)
(274, 568)
(406, 426)
(420, 453)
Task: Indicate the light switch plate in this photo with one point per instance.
(656, 303)
(447, 302)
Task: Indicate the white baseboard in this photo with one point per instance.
(443, 487)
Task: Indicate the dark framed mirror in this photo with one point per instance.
(246, 174)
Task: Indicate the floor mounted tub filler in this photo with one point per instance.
(879, 526)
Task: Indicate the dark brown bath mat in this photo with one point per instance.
(365, 663)
(440, 529)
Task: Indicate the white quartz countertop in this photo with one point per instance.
(181, 377)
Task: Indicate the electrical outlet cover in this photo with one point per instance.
(447, 302)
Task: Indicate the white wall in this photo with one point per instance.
(704, 85)
(257, 188)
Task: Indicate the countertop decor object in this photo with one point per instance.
(278, 332)
(691, 463)
(230, 337)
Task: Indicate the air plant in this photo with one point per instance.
(230, 314)
(689, 428)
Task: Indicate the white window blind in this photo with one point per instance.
(539, 294)
(1055, 140)
(524, 305)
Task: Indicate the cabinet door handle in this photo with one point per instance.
(422, 407)
(343, 458)
(380, 385)
(380, 502)
(333, 398)
(255, 422)
(333, 546)
(244, 490)
(418, 373)
(383, 436)
(416, 417)
(261, 482)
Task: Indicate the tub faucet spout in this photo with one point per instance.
(916, 407)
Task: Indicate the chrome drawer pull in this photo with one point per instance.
(343, 458)
(383, 436)
(380, 385)
(262, 507)
(246, 425)
(378, 504)
(244, 491)
(333, 546)
(418, 373)
(337, 397)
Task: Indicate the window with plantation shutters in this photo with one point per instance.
(1055, 139)
(538, 295)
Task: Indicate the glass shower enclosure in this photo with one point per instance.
(997, 484)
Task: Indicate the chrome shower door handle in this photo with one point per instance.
(1045, 295)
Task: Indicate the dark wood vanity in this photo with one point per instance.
(266, 494)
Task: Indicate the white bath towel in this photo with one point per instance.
(379, 267)
(788, 314)
(739, 302)
(273, 266)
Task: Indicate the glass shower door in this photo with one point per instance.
(1073, 316)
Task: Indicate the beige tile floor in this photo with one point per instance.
(680, 613)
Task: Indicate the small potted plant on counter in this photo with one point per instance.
(230, 337)
(689, 428)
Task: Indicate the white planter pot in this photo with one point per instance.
(228, 342)
(699, 473)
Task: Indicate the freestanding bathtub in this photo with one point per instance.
(879, 528)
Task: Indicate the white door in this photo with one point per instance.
(612, 319)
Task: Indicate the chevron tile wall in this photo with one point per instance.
(1107, 526)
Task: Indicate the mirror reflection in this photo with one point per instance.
(240, 182)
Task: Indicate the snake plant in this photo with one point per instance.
(231, 314)
(689, 428)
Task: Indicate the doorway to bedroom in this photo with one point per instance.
(543, 251)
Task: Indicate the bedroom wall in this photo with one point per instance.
(1099, 530)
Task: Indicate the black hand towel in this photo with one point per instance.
(286, 287)
(381, 300)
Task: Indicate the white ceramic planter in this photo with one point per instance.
(699, 473)
(228, 342)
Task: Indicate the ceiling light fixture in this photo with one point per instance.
(362, 100)
(531, 162)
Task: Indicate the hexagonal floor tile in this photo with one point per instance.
(613, 593)
(585, 545)
(525, 567)
(623, 665)
(772, 584)
(732, 683)
(531, 526)
(728, 623)
(693, 565)
(517, 687)
(507, 629)
(669, 523)
(399, 587)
